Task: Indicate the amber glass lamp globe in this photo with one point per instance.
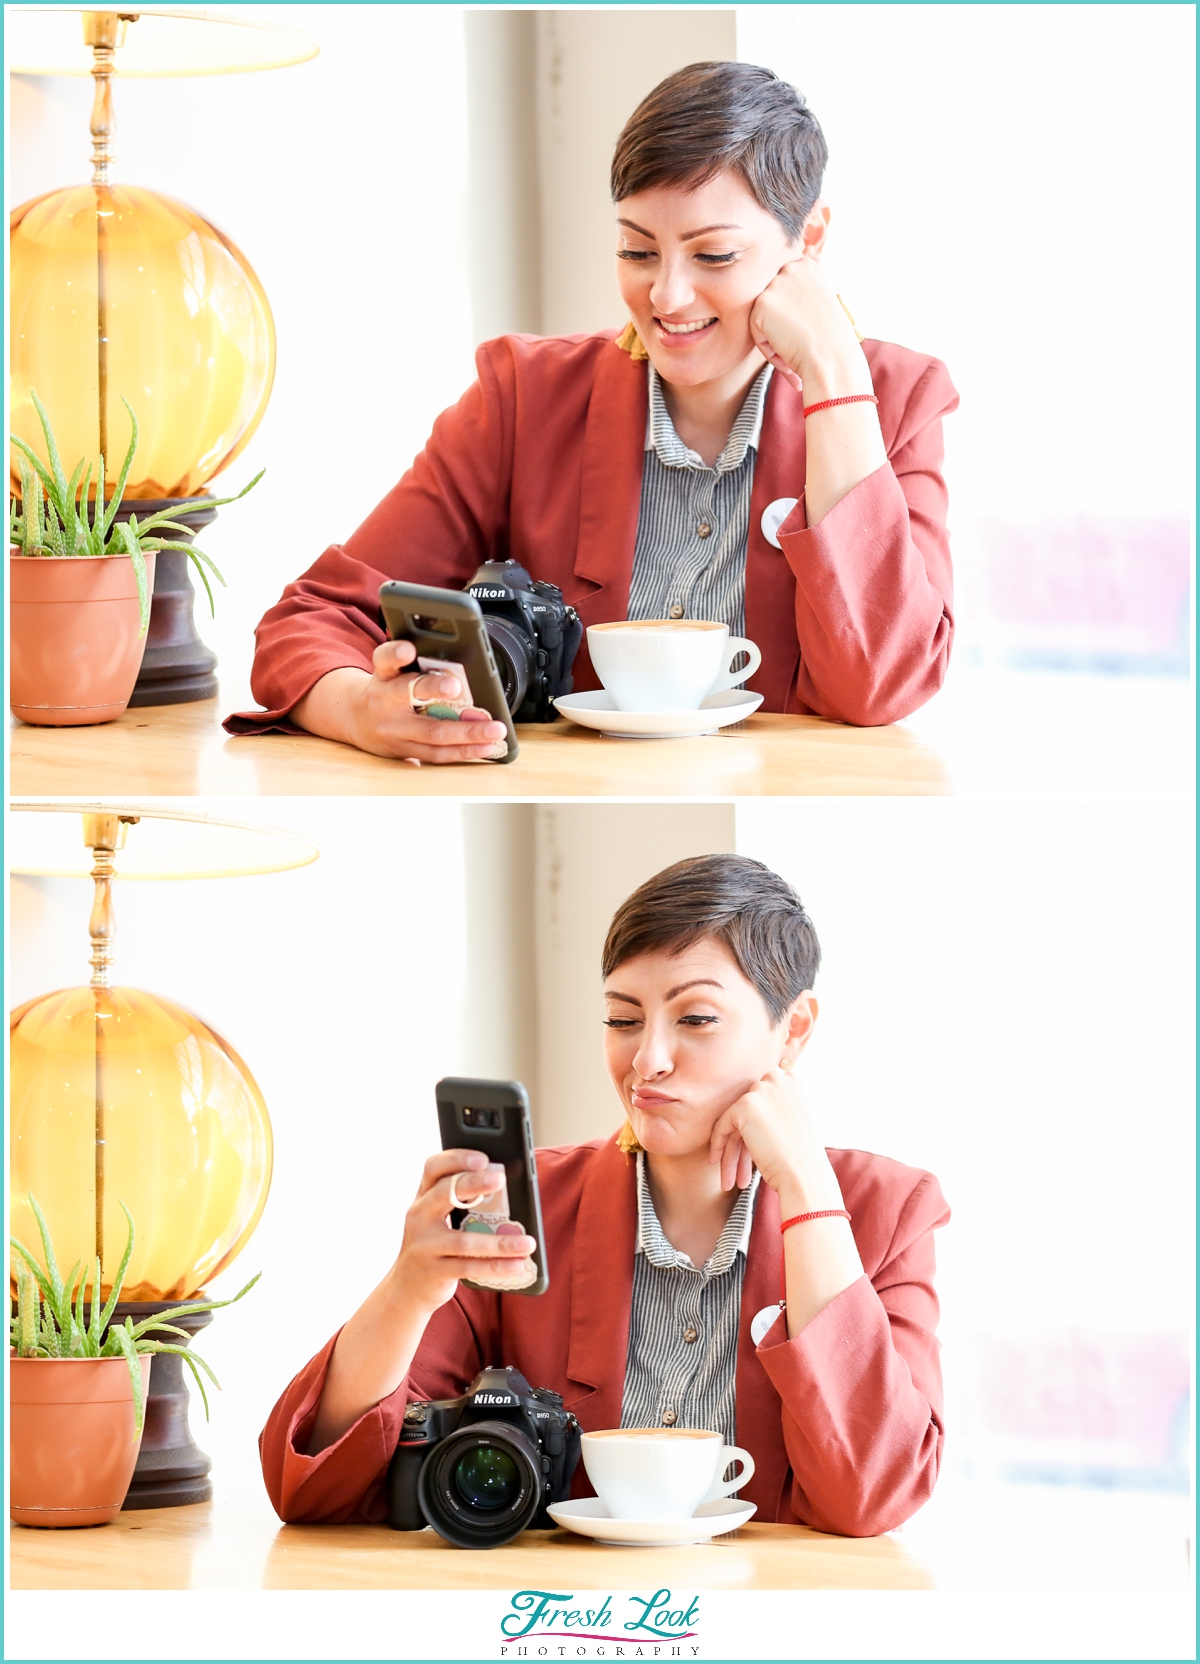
(117, 291)
(180, 1124)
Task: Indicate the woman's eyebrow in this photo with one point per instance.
(612, 994)
(687, 237)
(699, 982)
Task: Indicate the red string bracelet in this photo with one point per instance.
(847, 398)
(823, 1213)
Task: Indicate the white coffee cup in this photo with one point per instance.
(667, 664)
(661, 1473)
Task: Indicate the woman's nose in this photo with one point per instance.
(672, 289)
(653, 1056)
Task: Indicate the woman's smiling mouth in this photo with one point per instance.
(679, 334)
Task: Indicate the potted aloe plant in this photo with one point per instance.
(80, 582)
(77, 1386)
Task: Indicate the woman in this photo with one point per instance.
(670, 472)
(672, 1300)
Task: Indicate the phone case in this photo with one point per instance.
(446, 624)
(510, 1143)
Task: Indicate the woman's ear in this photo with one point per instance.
(798, 1025)
(815, 229)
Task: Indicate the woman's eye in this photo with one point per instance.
(635, 254)
(619, 1022)
(698, 1021)
(718, 259)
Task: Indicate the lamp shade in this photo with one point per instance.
(45, 840)
(118, 1095)
(187, 334)
(45, 40)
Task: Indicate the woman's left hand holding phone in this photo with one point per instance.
(375, 712)
(375, 1349)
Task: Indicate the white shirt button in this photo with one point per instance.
(773, 517)
(669, 1418)
(676, 610)
(704, 529)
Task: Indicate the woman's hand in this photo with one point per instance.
(375, 712)
(799, 325)
(375, 1349)
(433, 1257)
(772, 1127)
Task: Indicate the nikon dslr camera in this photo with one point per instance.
(482, 1468)
(534, 635)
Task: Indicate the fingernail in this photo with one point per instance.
(500, 750)
(449, 684)
(476, 1158)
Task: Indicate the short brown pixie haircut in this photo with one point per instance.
(730, 899)
(712, 116)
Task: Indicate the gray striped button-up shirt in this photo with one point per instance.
(683, 1327)
(689, 560)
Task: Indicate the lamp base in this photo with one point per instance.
(177, 667)
(171, 1470)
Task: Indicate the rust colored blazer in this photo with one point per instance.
(843, 1422)
(541, 460)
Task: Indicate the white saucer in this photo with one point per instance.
(596, 710)
(590, 1518)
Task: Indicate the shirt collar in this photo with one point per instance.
(734, 1239)
(670, 449)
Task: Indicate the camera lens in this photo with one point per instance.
(481, 1485)
(487, 1478)
(516, 657)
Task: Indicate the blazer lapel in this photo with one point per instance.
(759, 1411)
(602, 1286)
(770, 585)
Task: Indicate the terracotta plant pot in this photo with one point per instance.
(75, 644)
(72, 1447)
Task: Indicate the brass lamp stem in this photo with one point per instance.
(104, 835)
(104, 32)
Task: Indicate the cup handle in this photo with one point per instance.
(732, 678)
(726, 1487)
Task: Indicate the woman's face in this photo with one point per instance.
(686, 1035)
(691, 264)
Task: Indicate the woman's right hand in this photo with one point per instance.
(433, 1257)
(375, 712)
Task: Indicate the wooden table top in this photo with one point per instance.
(179, 750)
(229, 1545)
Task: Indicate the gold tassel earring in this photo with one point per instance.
(627, 1139)
(631, 342)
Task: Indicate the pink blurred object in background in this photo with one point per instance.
(1085, 1408)
(1087, 592)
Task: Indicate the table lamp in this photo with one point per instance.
(122, 1095)
(120, 291)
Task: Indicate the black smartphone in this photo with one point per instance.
(445, 625)
(493, 1116)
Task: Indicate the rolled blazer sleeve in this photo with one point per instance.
(434, 527)
(345, 1482)
(873, 578)
(861, 1388)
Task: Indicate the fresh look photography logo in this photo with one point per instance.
(538, 1623)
